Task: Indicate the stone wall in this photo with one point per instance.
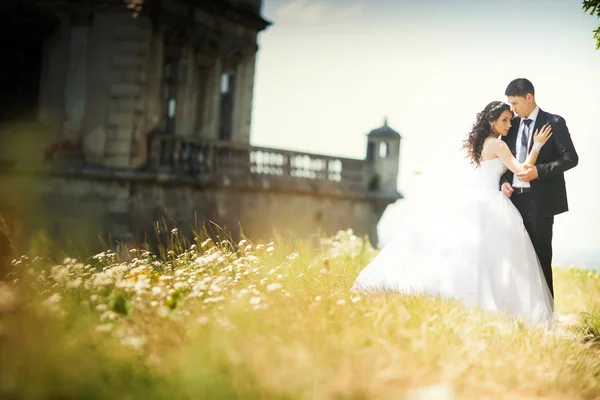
(72, 211)
(78, 210)
(260, 214)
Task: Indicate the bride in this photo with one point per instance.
(471, 246)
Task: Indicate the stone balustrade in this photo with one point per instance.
(182, 156)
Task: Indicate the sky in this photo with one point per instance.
(329, 71)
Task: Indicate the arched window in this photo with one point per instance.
(384, 150)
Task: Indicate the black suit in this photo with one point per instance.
(548, 195)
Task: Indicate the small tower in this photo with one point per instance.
(383, 160)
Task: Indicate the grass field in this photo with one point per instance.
(275, 321)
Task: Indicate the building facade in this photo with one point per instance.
(118, 116)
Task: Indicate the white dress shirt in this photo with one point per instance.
(517, 183)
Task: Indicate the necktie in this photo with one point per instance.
(524, 140)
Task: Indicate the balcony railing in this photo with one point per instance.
(192, 157)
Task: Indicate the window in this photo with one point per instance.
(227, 104)
(384, 150)
(171, 81)
(225, 77)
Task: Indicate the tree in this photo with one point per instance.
(593, 6)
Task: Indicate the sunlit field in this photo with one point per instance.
(274, 321)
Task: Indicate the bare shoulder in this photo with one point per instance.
(493, 148)
(496, 148)
(497, 144)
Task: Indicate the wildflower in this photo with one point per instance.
(101, 279)
(55, 298)
(75, 283)
(179, 285)
(108, 316)
(134, 341)
(254, 300)
(163, 311)
(214, 299)
(318, 298)
(341, 302)
(104, 327)
(356, 299)
(142, 284)
(273, 286)
(60, 274)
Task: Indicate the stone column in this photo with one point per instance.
(243, 99)
(187, 94)
(210, 126)
(53, 80)
(118, 68)
(75, 86)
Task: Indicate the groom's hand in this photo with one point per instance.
(529, 174)
(507, 189)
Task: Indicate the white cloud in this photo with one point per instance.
(310, 12)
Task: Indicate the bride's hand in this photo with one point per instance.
(543, 135)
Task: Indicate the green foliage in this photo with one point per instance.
(589, 325)
(593, 7)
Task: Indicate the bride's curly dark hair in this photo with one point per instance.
(482, 129)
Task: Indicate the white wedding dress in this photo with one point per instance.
(470, 245)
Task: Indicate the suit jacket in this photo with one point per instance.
(557, 156)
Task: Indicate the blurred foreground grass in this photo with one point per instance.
(273, 321)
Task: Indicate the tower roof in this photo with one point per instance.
(385, 131)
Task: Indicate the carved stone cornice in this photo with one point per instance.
(233, 12)
(203, 38)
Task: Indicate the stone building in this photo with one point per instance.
(116, 116)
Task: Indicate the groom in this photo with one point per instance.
(539, 193)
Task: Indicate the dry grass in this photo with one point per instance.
(271, 322)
